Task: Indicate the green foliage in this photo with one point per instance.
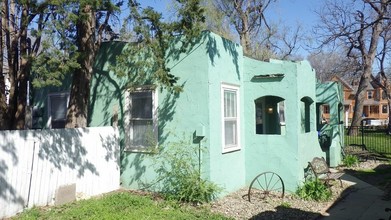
(286, 205)
(117, 206)
(146, 62)
(350, 160)
(179, 176)
(314, 190)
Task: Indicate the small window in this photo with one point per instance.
(230, 117)
(270, 115)
(384, 109)
(57, 109)
(384, 95)
(305, 114)
(370, 95)
(142, 120)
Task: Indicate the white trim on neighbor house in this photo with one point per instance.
(233, 116)
(58, 95)
(129, 120)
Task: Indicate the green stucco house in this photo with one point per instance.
(251, 116)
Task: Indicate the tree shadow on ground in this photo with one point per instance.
(380, 176)
(283, 212)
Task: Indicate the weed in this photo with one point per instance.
(178, 174)
(314, 190)
(119, 205)
(350, 160)
(285, 205)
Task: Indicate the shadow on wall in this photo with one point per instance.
(166, 112)
(29, 160)
(230, 47)
(112, 87)
(7, 191)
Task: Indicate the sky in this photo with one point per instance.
(286, 12)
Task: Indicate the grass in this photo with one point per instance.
(379, 176)
(374, 141)
(120, 205)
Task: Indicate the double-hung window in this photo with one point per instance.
(230, 118)
(57, 109)
(142, 120)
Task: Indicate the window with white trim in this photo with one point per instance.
(141, 119)
(57, 109)
(230, 118)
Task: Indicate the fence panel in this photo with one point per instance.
(34, 164)
(374, 138)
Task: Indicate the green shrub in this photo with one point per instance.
(179, 175)
(314, 190)
(286, 205)
(350, 160)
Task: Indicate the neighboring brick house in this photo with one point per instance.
(375, 103)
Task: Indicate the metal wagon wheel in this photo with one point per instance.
(266, 184)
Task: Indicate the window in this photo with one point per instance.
(57, 109)
(384, 95)
(141, 119)
(373, 109)
(230, 118)
(326, 109)
(384, 109)
(305, 114)
(270, 115)
(370, 95)
(347, 108)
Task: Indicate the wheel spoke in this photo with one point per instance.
(269, 184)
(261, 185)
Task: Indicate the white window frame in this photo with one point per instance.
(231, 88)
(129, 121)
(59, 94)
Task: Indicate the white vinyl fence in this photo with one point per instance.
(37, 167)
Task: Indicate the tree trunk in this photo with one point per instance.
(359, 105)
(3, 104)
(77, 112)
(23, 72)
(244, 35)
(12, 55)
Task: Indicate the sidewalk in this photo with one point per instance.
(363, 203)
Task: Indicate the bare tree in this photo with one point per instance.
(356, 25)
(330, 64)
(259, 38)
(382, 78)
(247, 17)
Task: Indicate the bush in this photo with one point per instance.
(350, 160)
(314, 190)
(179, 176)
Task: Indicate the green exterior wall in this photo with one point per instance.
(195, 115)
(331, 93)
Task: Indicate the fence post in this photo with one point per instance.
(362, 133)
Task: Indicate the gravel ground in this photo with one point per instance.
(237, 206)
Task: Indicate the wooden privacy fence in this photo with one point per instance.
(37, 167)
